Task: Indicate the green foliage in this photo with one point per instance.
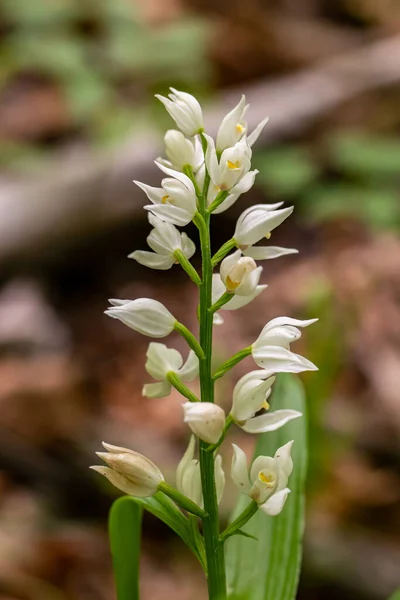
(125, 532)
(285, 170)
(102, 57)
(166, 510)
(396, 595)
(377, 207)
(268, 569)
(356, 176)
(365, 155)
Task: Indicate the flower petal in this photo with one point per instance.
(267, 252)
(152, 260)
(270, 421)
(239, 472)
(274, 505)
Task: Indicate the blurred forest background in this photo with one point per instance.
(78, 122)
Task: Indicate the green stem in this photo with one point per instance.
(214, 550)
(187, 169)
(231, 362)
(218, 200)
(181, 387)
(241, 520)
(229, 421)
(226, 296)
(223, 251)
(182, 500)
(191, 340)
(188, 267)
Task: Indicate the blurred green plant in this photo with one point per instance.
(102, 57)
(356, 176)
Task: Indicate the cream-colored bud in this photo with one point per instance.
(205, 419)
(129, 471)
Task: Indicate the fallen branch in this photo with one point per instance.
(90, 194)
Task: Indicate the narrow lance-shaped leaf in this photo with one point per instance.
(268, 569)
(125, 525)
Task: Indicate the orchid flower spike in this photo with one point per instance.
(185, 110)
(164, 240)
(175, 201)
(205, 419)
(271, 350)
(160, 362)
(182, 152)
(188, 478)
(250, 396)
(240, 274)
(129, 471)
(148, 317)
(268, 480)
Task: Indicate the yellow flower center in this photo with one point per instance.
(234, 166)
(164, 199)
(265, 405)
(240, 128)
(268, 235)
(268, 480)
(231, 284)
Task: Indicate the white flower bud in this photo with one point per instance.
(188, 477)
(257, 222)
(271, 350)
(205, 419)
(175, 201)
(240, 275)
(129, 471)
(268, 478)
(161, 361)
(144, 315)
(185, 110)
(233, 127)
(164, 240)
(181, 151)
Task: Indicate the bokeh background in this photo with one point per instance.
(78, 122)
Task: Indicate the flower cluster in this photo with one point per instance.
(206, 177)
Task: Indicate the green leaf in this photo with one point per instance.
(166, 510)
(285, 170)
(268, 569)
(125, 529)
(396, 595)
(366, 155)
(378, 207)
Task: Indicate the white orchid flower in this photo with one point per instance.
(175, 201)
(271, 350)
(257, 222)
(267, 252)
(165, 240)
(233, 127)
(185, 110)
(205, 419)
(233, 164)
(240, 274)
(188, 477)
(218, 288)
(129, 471)
(268, 480)
(250, 395)
(161, 361)
(181, 152)
(144, 315)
